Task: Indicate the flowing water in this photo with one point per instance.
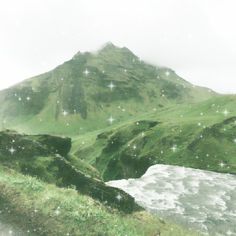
(201, 200)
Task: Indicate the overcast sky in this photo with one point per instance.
(196, 38)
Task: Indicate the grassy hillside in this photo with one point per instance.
(83, 205)
(83, 93)
(46, 157)
(122, 115)
(199, 135)
(41, 209)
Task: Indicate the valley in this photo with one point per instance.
(99, 117)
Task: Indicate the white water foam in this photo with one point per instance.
(201, 200)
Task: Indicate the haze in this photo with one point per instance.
(195, 38)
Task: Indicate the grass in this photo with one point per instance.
(159, 118)
(47, 210)
(200, 133)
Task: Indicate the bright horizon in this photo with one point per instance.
(197, 39)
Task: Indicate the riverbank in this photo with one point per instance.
(47, 210)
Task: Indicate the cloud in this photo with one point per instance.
(195, 38)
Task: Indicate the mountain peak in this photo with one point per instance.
(109, 46)
(110, 50)
(90, 86)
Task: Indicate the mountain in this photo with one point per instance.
(92, 90)
(103, 116)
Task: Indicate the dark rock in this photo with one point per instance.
(23, 145)
(44, 156)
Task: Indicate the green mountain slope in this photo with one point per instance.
(34, 205)
(84, 92)
(122, 115)
(41, 209)
(46, 157)
(201, 135)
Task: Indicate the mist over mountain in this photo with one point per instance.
(101, 116)
(92, 90)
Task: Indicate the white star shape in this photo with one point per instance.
(65, 113)
(174, 148)
(167, 73)
(119, 197)
(222, 165)
(111, 86)
(111, 119)
(12, 150)
(86, 72)
(57, 212)
(226, 112)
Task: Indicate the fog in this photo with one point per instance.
(195, 38)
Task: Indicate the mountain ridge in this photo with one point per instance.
(94, 85)
(121, 115)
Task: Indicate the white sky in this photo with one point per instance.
(196, 38)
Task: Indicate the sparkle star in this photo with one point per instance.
(119, 197)
(222, 165)
(28, 98)
(86, 72)
(226, 112)
(65, 113)
(111, 86)
(167, 73)
(57, 212)
(111, 119)
(174, 148)
(12, 150)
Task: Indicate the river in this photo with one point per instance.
(201, 200)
